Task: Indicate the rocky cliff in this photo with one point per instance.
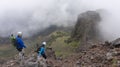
(86, 26)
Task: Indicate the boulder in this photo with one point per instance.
(116, 43)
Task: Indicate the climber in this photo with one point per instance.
(20, 45)
(41, 52)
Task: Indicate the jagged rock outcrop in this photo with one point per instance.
(86, 26)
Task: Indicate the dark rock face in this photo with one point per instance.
(86, 26)
(116, 43)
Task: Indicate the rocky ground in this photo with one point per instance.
(96, 55)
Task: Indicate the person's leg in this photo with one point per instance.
(45, 59)
(44, 56)
(21, 57)
(20, 54)
(23, 53)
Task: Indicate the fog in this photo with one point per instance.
(31, 16)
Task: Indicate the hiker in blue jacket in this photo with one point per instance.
(42, 51)
(20, 45)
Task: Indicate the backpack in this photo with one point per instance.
(38, 49)
(13, 40)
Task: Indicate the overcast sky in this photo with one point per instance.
(29, 16)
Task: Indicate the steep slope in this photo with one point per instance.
(62, 53)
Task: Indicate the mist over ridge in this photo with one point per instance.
(30, 16)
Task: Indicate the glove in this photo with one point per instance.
(24, 46)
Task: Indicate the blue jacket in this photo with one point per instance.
(41, 51)
(20, 43)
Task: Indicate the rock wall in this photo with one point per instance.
(86, 26)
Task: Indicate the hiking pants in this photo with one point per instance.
(44, 56)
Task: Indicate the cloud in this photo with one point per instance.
(30, 16)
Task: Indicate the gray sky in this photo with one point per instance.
(29, 16)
